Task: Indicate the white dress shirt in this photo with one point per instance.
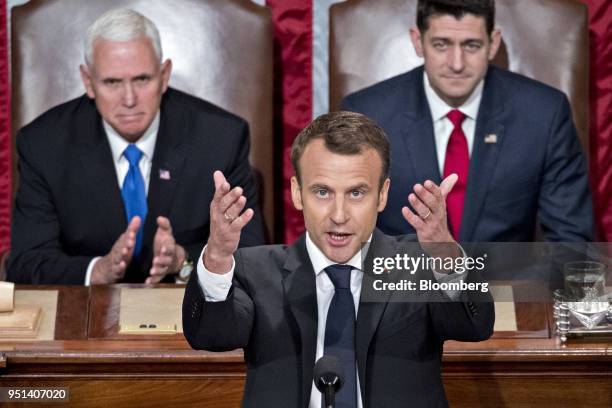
(118, 144)
(216, 287)
(442, 125)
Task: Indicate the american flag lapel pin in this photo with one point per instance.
(164, 174)
(490, 138)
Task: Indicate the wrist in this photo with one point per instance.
(98, 271)
(184, 269)
(216, 262)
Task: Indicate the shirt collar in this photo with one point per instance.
(439, 108)
(320, 261)
(146, 143)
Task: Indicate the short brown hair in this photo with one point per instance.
(345, 133)
(457, 9)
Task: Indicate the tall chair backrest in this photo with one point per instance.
(221, 51)
(546, 40)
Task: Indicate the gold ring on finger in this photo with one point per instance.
(228, 217)
(426, 215)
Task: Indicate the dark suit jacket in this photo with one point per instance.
(535, 171)
(69, 209)
(271, 312)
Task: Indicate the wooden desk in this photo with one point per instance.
(527, 368)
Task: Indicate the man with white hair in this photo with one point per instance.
(115, 185)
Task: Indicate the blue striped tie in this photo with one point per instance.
(340, 333)
(133, 192)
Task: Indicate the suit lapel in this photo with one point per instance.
(300, 291)
(484, 155)
(418, 135)
(98, 169)
(169, 158)
(369, 313)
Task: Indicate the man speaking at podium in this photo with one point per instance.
(288, 306)
(107, 180)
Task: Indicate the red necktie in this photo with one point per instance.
(458, 162)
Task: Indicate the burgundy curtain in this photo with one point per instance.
(5, 136)
(293, 104)
(600, 119)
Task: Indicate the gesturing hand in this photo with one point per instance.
(429, 222)
(226, 223)
(111, 267)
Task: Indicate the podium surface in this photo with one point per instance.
(102, 367)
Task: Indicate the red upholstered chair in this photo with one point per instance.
(221, 51)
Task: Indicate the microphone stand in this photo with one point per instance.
(330, 392)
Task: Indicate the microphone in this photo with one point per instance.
(329, 377)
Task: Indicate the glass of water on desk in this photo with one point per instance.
(584, 291)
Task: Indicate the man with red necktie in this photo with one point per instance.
(511, 140)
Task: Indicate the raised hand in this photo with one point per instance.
(429, 216)
(226, 223)
(111, 267)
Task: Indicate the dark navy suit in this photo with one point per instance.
(69, 209)
(271, 313)
(536, 170)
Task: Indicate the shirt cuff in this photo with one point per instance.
(215, 286)
(90, 267)
(452, 278)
